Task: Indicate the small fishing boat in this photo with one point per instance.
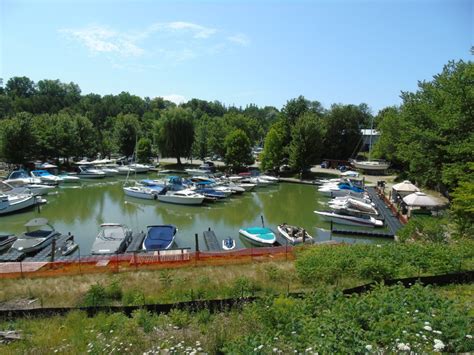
(112, 238)
(293, 234)
(159, 237)
(228, 243)
(361, 221)
(6, 241)
(39, 234)
(259, 235)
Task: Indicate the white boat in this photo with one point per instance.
(371, 165)
(125, 170)
(270, 178)
(182, 197)
(293, 234)
(140, 168)
(354, 204)
(11, 201)
(70, 178)
(112, 238)
(39, 235)
(46, 177)
(197, 172)
(36, 189)
(109, 171)
(259, 235)
(22, 176)
(366, 221)
(142, 192)
(228, 243)
(69, 247)
(86, 172)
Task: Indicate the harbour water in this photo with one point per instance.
(81, 209)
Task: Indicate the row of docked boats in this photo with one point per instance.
(196, 189)
(350, 204)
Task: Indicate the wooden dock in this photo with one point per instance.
(211, 240)
(45, 253)
(136, 243)
(363, 232)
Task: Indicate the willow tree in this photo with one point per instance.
(175, 133)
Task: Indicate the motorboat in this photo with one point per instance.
(259, 235)
(112, 238)
(343, 199)
(125, 170)
(106, 165)
(87, 172)
(46, 177)
(140, 168)
(22, 176)
(341, 189)
(70, 178)
(228, 243)
(39, 235)
(198, 172)
(362, 221)
(13, 201)
(270, 178)
(328, 181)
(379, 166)
(351, 203)
(36, 189)
(143, 192)
(293, 234)
(182, 197)
(6, 241)
(159, 237)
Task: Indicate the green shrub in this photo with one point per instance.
(113, 291)
(95, 296)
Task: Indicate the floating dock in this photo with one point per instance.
(211, 240)
(136, 243)
(362, 232)
(45, 253)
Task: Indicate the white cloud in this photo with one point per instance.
(99, 39)
(177, 99)
(239, 38)
(198, 30)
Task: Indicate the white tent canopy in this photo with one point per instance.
(405, 186)
(420, 199)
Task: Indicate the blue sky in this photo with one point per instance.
(237, 52)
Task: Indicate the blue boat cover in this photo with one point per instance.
(264, 233)
(159, 237)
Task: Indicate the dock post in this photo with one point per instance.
(196, 238)
(263, 223)
(304, 236)
(53, 248)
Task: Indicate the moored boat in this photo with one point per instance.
(293, 234)
(228, 243)
(6, 241)
(182, 197)
(112, 238)
(361, 221)
(259, 235)
(39, 235)
(159, 237)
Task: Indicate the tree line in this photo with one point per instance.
(51, 120)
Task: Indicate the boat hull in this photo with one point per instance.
(259, 236)
(349, 220)
(181, 200)
(10, 204)
(140, 193)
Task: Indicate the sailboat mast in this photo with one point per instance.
(370, 138)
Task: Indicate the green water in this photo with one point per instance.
(81, 209)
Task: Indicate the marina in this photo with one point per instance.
(103, 201)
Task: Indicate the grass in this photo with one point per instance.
(164, 286)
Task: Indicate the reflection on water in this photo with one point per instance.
(80, 209)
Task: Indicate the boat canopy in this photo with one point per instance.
(37, 222)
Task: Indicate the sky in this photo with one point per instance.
(237, 52)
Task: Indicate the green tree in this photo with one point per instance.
(217, 131)
(342, 130)
(306, 143)
(144, 151)
(437, 139)
(126, 133)
(238, 149)
(273, 149)
(175, 133)
(462, 207)
(17, 138)
(200, 146)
